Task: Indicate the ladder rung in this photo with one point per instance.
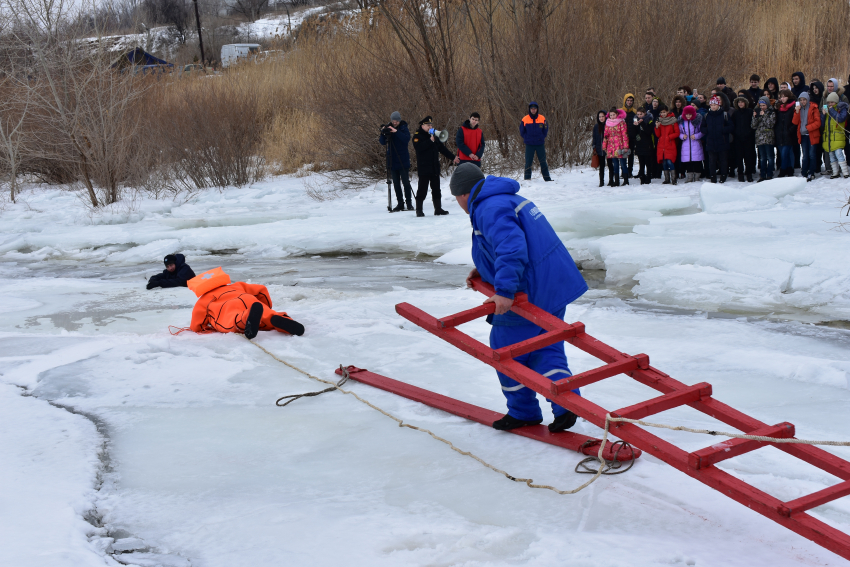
(815, 499)
(668, 401)
(532, 344)
(580, 380)
(457, 319)
(734, 447)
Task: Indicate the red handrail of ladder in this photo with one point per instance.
(697, 464)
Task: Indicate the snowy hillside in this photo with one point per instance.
(171, 451)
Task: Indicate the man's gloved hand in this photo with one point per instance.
(152, 284)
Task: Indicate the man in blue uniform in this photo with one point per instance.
(516, 250)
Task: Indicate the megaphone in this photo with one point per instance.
(441, 135)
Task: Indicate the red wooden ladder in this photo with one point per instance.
(698, 464)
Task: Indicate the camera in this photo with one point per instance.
(385, 129)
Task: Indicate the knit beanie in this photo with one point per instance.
(170, 259)
(465, 177)
(720, 81)
(395, 116)
(804, 95)
(764, 100)
(833, 97)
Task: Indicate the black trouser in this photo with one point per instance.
(602, 165)
(713, 158)
(645, 164)
(631, 162)
(422, 191)
(818, 157)
(403, 176)
(797, 154)
(745, 158)
(680, 167)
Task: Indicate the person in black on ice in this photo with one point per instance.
(428, 149)
(176, 273)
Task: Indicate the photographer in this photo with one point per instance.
(428, 150)
(398, 158)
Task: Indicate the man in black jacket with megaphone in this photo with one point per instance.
(428, 149)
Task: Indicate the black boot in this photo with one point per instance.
(252, 324)
(419, 212)
(626, 178)
(440, 212)
(508, 422)
(749, 178)
(740, 177)
(399, 207)
(602, 177)
(616, 181)
(563, 422)
(723, 179)
(287, 325)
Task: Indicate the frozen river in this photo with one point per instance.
(132, 445)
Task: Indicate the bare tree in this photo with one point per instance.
(173, 13)
(13, 112)
(251, 9)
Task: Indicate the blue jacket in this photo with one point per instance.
(516, 250)
(533, 130)
(398, 156)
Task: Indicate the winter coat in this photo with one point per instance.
(800, 88)
(690, 125)
(786, 132)
(667, 136)
(616, 139)
(398, 155)
(178, 278)
(469, 141)
(645, 137)
(598, 136)
(763, 126)
(533, 128)
(515, 249)
(812, 125)
(428, 153)
(833, 130)
(742, 129)
(716, 129)
(755, 94)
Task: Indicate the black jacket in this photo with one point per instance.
(645, 137)
(716, 127)
(742, 132)
(755, 95)
(398, 156)
(178, 278)
(786, 131)
(802, 87)
(598, 136)
(428, 153)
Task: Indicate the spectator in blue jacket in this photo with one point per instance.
(515, 249)
(176, 273)
(398, 158)
(533, 129)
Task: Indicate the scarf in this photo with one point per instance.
(786, 106)
(612, 122)
(667, 120)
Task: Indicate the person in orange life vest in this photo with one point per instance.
(470, 140)
(533, 129)
(236, 307)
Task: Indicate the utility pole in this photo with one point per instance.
(200, 37)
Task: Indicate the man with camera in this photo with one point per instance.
(428, 149)
(396, 137)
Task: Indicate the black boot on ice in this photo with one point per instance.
(288, 325)
(252, 325)
(507, 423)
(563, 422)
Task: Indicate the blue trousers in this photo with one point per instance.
(550, 361)
(808, 157)
(786, 157)
(765, 161)
(667, 165)
(541, 157)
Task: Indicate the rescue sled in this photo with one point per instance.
(698, 464)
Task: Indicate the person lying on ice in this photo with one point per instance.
(516, 250)
(176, 273)
(236, 307)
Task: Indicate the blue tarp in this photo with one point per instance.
(138, 56)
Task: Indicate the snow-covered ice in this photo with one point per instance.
(137, 446)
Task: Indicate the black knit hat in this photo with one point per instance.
(720, 81)
(465, 177)
(170, 259)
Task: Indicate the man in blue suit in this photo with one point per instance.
(515, 249)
